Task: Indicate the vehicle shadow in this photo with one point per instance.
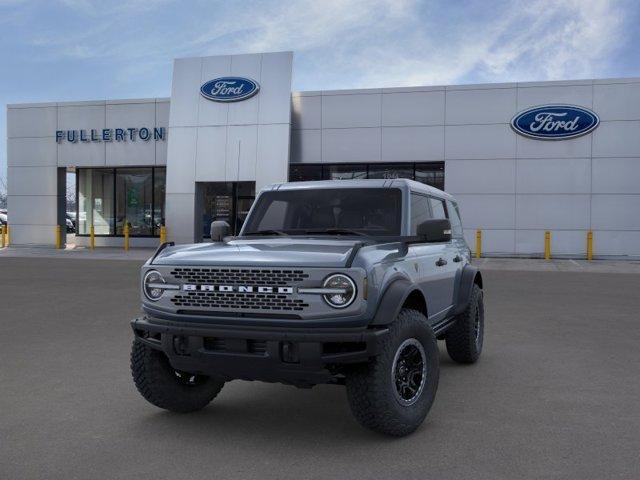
(320, 415)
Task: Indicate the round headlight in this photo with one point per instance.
(150, 285)
(341, 291)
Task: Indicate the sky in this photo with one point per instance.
(62, 50)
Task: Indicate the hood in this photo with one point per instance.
(285, 252)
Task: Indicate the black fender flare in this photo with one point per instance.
(392, 300)
(470, 275)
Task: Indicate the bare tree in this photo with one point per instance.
(3, 193)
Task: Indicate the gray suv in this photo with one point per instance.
(342, 282)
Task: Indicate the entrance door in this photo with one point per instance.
(228, 201)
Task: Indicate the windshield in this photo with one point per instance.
(340, 211)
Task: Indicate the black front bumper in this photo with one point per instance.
(299, 356)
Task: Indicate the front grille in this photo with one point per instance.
(238, 301)
(238, 276)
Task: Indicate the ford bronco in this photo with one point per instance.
(347, 282)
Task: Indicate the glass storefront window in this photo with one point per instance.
(95, 201)
(227, 201)
(134, 194)
(109, 197)
(430, 173)
(399, 170)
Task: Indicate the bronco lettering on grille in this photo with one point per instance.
(237, 288)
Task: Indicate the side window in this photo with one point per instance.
(454, 218)
(437, 207)
(420, 211)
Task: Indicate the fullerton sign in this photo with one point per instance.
(111, 135)
(555, 122)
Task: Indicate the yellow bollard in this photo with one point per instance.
(1, 236)
(126, 237)
(547, 245)
(92, 237)
(163, 234)
(478, 243)
(589, 245)
(6, 235)
(58, 237)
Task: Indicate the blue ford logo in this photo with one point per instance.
(555, 122)
(229, 89)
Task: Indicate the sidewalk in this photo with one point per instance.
(102, 253)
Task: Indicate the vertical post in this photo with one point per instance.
(589, 245)
(58, 237)
(478, 243)
(163, 234)
(126, 236)
(2, 236)
(6, 235)
(547, 245)
(92, 237)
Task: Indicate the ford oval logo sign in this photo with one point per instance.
(229, 89)
(555, 122)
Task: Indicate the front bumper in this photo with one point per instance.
(299, 356)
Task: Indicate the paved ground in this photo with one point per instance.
(556, 394)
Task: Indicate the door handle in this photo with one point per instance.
(457, 258)
(441, 262)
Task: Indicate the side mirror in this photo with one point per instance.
(219, 230)
(435, 230)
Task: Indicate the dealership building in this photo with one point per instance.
(521, 158)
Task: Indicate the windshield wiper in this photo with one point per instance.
(337, 231)
(269, 232)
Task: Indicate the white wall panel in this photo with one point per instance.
(33, 181)
(543, 95)
(273, 147)
(185, 92)
(181, 172)
(350, 111)
(615, 212)
(479, 141)
(162, 120)
(242, 144)
(487, 211)
(81, 154)
(616, 243)
(246, 111)
(563, 242)
(306, 111)
(550, 212)
(564, 175)
(306, 146)
(351, 145)
(616, 175)
(33, 152)
(211, 154)
(208, 112)
(480, 176)
(617, 102)
(180, 213)
(32, 122)
(571, 148)
(32, 209)
(40, 235)
(480, 106)
(76, 117)
(413, 108)
(617, 139)
(275, 88)
(412, 144)
(498, 242)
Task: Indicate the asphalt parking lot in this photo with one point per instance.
(555, 395)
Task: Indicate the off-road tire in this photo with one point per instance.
(462, 343)
(371, 386)
(161, 385)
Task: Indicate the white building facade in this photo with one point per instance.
(232, 125)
